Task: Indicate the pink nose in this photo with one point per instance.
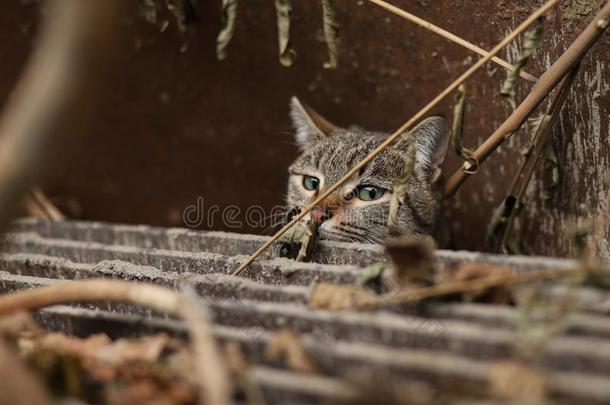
(318, 215)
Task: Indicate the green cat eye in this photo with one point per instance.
(370, 193)
(311, 183)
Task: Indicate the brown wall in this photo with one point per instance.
(172, 125)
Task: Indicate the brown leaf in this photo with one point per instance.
(511, 380)
(285, 345)
(146, 349)
(19, 324)
(472, 271)
(73, 346)
(336, 297)
(411, 262)
(298, 241)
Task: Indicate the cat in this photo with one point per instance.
(358, 210)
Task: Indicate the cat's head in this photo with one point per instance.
(358, 210)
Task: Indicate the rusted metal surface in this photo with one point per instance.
(437, 345)
(174, 126)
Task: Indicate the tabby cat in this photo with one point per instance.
(358, 210)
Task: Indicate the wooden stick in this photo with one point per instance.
(451, 37)
(406, 126)
(212, 374)
(545, 85)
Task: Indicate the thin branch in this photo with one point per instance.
(405, 127)
(451, 37)
(212, 375)
(545, 85)
(464, 286)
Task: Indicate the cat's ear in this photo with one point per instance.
(311, 127)
(431, 138)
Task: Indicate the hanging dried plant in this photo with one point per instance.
(471, 163)
(287, 54)
(532, 41)
(330, 33)
(228, 16)
(184, 13)
(149, 10)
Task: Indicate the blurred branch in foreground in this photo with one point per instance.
(73, 45)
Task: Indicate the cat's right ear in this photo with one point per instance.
(311, 127)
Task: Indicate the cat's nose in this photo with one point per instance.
(319, 215)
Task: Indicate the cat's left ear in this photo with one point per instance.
(311, 127)
(431, 139)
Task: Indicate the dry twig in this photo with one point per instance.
(210, 368)
(451, 37)
(471, 285)
(400, 131)
(38, 205)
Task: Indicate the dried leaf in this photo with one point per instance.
(537, 125)
(330, 33)
(336, 297)
(73, 346)
(145, 349)
(149, 10)
(473, 271)
(283, 10)
(286, 346)
(511, 380)
(471, 163)
(370, 273)
(298, 241)
(532, 41)
(184, 13)
(17, 325)
(411, 262)
(228, 17)
(399, 193)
